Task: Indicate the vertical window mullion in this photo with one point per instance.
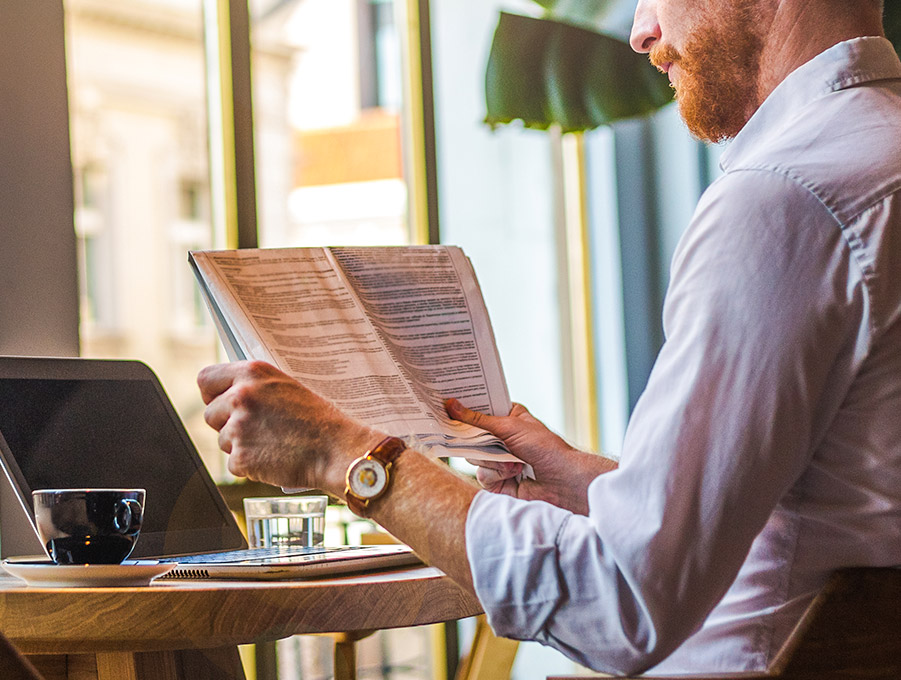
(230, 113)
(577, 330)
(420, 158)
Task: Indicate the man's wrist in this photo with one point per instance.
(345, 451)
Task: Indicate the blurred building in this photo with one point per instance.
(329, 170)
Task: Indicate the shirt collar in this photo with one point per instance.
(843, 65)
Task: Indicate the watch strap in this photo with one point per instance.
(386, 452)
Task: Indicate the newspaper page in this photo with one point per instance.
(425, 304)
(368, 350)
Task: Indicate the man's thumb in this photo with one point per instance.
(458, 411)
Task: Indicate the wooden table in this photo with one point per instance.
(181, 630)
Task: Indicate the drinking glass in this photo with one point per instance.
(283, 521)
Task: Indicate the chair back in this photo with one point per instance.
(851, 631)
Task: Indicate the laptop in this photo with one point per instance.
(82, 423)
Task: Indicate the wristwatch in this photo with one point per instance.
(369, 475)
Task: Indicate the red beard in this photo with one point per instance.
(718, 74)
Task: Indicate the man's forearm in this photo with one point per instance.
(426, 508)
(427, 505)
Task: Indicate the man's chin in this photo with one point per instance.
(711, 113)
(703, 126)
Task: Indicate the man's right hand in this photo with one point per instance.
(562, 473)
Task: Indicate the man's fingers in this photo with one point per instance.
(493, 464)
(520, 411)
(214, 380)
(490, 476)
(458, 411)
(487, 478)
(225, 441)
(217, 413)
(235, 467)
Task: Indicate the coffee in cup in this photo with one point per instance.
(89, 526)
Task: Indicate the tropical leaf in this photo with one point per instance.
(545, 72)
(589, 14)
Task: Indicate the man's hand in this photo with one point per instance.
(562, 473)
(278, 431)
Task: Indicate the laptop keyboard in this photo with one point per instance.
(249, 554)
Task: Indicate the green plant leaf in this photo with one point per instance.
(587, 13)
(545, 72)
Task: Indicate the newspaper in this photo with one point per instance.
(386, 333)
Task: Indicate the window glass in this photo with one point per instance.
(328, 102)
(497, 200)
(139, 152)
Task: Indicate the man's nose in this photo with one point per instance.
(645, 28)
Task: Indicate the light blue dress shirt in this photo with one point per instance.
(766, 449)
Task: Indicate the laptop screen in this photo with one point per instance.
(114, 430)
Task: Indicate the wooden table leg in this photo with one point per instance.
(101, 666)
(162, 665)
(346, 653)
(116, 666)
(14, 665)
(65, 666)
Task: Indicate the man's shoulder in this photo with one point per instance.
(825, 187)
(842, 148)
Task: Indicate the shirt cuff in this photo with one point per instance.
(511, 545)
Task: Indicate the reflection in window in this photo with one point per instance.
(139, 146)
(190, 321)
(380, 69)
(329, 163)
(95, 292)
(342, 108)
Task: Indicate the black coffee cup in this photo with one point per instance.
(89, 526)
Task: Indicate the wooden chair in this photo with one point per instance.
(490, 657)
(851, 631)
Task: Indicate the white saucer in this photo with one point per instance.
(45, 574)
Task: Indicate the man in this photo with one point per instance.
(766, 449)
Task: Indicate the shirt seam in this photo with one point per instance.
(855, 248)
(861, 78)
(852, 241)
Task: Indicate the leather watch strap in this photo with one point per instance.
(386, 452)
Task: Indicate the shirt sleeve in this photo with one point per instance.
(764, 302)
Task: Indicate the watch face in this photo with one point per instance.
(367, 478)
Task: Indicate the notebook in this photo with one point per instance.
(82, 423)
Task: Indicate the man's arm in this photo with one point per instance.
(723, 430)
(278, 431)
(426, 508)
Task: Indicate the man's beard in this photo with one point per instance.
(718, 75)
